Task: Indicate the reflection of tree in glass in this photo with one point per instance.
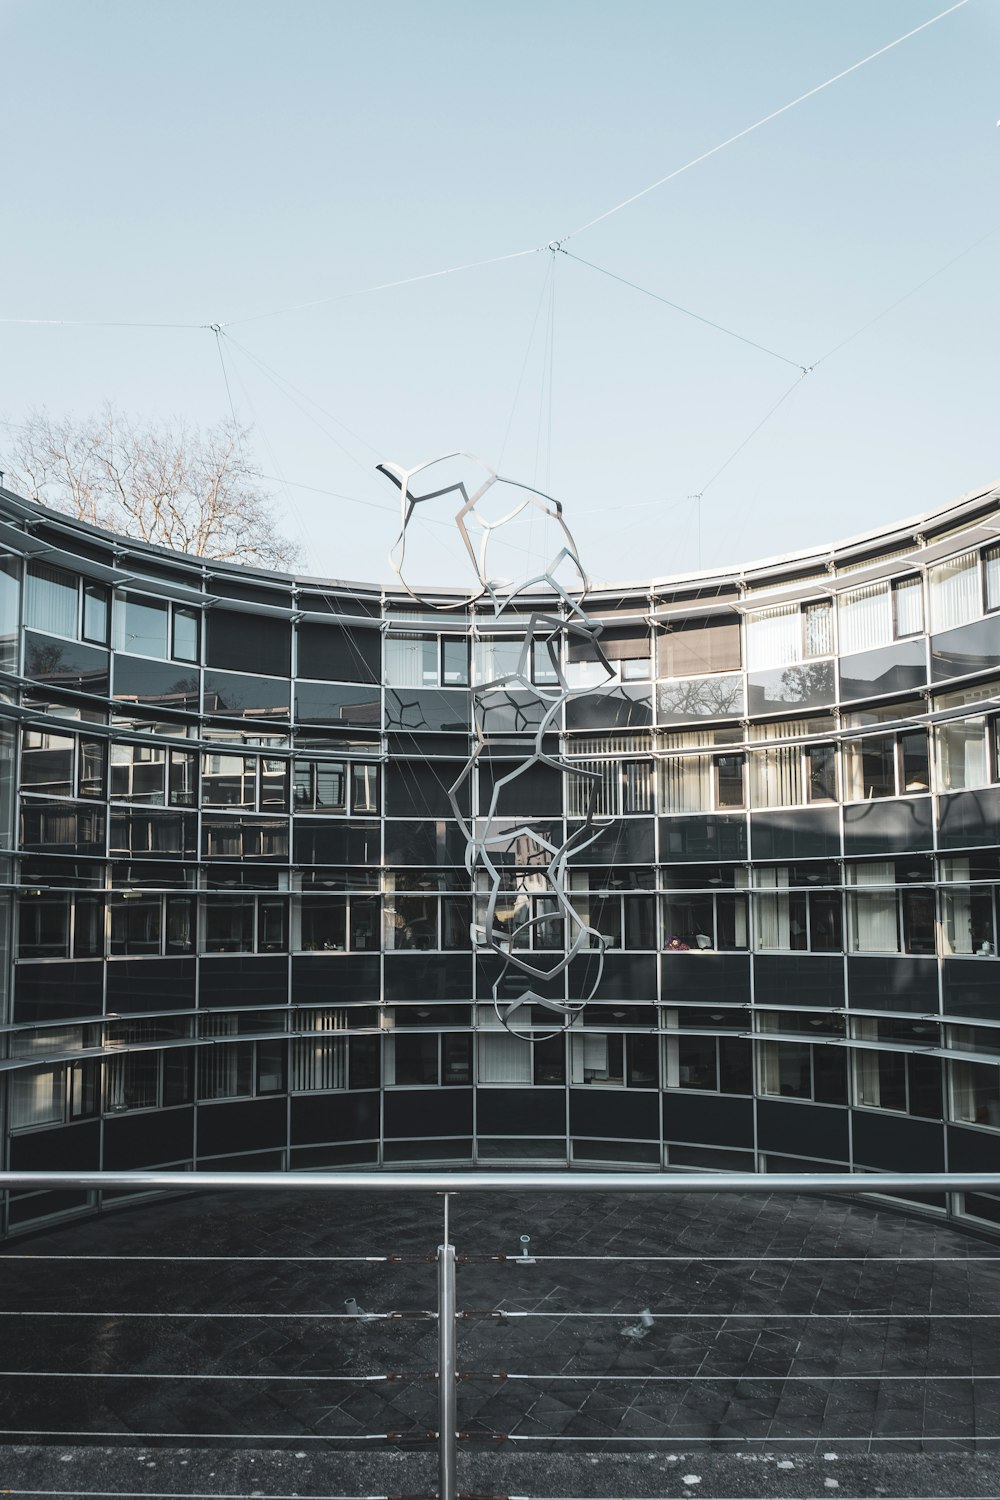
(806, 684)
(703, 697)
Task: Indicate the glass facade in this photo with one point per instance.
(237, 927)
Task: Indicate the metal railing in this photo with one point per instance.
(449, 1184)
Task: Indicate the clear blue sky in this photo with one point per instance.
(211, 160)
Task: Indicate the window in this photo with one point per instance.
(323, 1061)
(96, 613)
(702, 782)
(139, 774)
(968, 923)
(185, 634)
(245, 924)
(699, 1058)
(787, 775)
(239, 1069)
(144, 627)
(418, 1054)
(787, 634)
(975, 1092)
(886, 765)
(693, 647)
(864, 618)
(37, 1097)
(774, 637)
(962, 743)
(62, 765)
(618, 786)
(905, 1080)
(611, 1059)
(604, 902)
(426, 661)
(955, 592)
(800, 912)
(908, 599)
(963, 760)
(505, 1058)
(324, 786)
(52, 601)
(800, 1070)
(887, 914)
(244, 781)
(817, 629)
(51, 1095)
(320, 1062)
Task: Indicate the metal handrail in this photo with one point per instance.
(569, 1181)
(446, 1183)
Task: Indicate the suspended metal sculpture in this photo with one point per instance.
(545, 634)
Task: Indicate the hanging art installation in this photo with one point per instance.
(530, 697)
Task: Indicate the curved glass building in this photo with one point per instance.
(239, 931)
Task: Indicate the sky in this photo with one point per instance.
(223, 161)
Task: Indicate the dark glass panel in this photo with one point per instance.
(969, 818)
(699, 698)
(57, 992)
(893, 669)
(800, 687)
(425, 843)
(142, 984)
(969, 648)
(337, 653)
(535, 791)
(893, 983)
(156, 685)
(416, 709)
(340, 842)
(724, 978)
(611, 708)
(235, 638)
(64, 664)
(796, 833)
(703, 837)
(626, 841)
(241, 696)
(419, 789)
(319, 704)
(888, 827)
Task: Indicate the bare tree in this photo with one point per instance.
(178, 486)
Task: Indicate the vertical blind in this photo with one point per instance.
(955, 594)
(774, 637)
(864, 618)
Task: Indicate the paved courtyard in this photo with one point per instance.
(210, 1318)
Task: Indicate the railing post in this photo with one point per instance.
(447, 1355)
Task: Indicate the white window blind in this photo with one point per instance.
(776, 777)
(772, 922)
(874, 928)
(774, 637)
(503, 1058)
(686, 783)
(910, 607)
(321, 1062)
(864, 618)
(991, 563)
(955, 595)
(36, 1098)
(962, 754)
